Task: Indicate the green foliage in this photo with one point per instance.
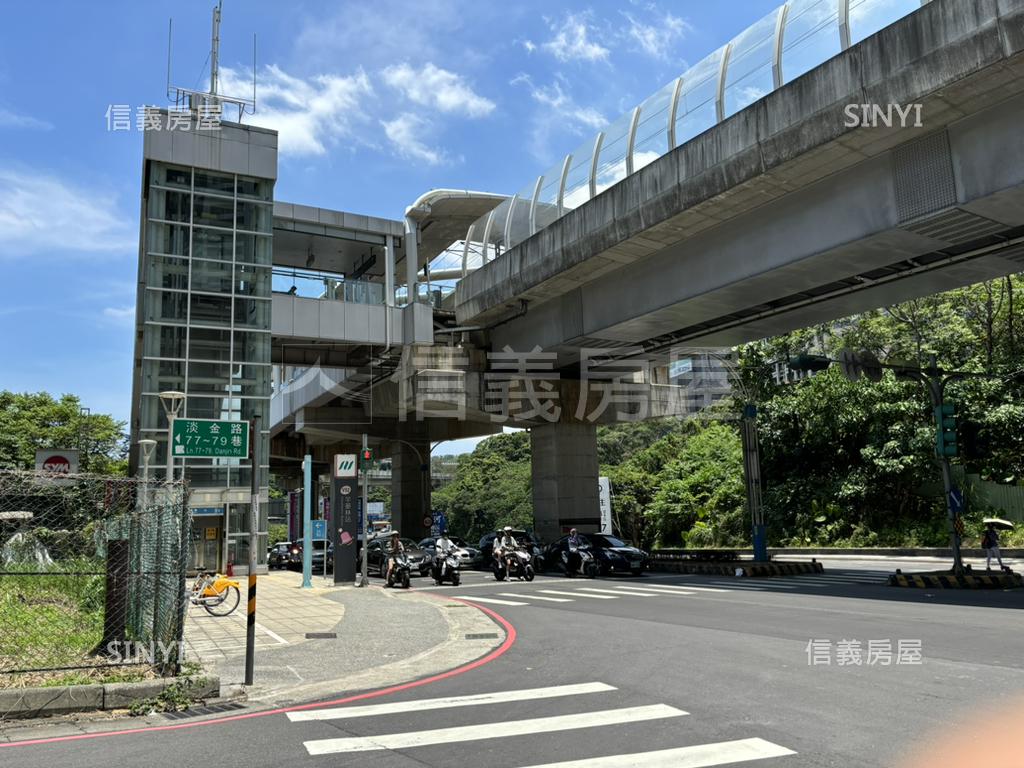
(36, 420)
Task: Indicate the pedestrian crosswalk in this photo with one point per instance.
(578, 706)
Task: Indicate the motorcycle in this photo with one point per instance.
(514, 562)
(580, 560)
(446, 566)
(399, 571)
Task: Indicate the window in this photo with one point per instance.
(214, 212)
(211, 244)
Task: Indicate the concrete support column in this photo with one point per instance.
(564, 466)
(410, 489)
(412, 258)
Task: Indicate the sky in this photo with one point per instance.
(376, 103)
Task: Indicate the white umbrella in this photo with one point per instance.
(998, 522)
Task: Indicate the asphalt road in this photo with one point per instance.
(678, 671)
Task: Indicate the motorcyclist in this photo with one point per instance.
(441, 548)
(574, 543)
(394, 548)
(505, 542)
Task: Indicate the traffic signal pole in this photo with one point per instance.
(932, 378)
(363, 579)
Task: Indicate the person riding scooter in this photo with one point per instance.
(504, 542)
(574, 543)
(393, 549)
(441, 547)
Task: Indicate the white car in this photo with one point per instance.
(468, 556)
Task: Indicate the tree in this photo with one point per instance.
(32, 421)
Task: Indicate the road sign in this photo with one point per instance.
(210, 438)
(604, 499)
(956, 500)
(319, 529)
(57, 462)
(345, 465)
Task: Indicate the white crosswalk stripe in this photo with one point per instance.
(495, 697)
(531, 596)
(699, 756)
(507, 728)
(654, 592)
(494, 600)
(617, 592)
(578, 594)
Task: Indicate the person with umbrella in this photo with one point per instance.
(990, 542)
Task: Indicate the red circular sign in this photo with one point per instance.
(58, 465)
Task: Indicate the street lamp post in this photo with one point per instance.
(172, 401)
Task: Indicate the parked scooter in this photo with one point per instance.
(580, 561)
(446, 567)
(514, 563)
(399, 571)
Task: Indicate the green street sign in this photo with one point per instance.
(210, 438)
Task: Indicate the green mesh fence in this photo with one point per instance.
(92, 573)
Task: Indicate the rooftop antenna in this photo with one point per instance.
(193, 99)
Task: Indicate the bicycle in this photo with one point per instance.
(218, 594)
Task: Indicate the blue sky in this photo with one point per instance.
(376, 102)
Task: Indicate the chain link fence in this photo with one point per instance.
(92, 575)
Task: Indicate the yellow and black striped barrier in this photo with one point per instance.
(1001, 580)
(737, 568)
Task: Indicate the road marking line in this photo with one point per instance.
(675, 587)
(654, 592)
(496, 697)
(619, 593)
(578, 594)
(491, 730)
(698, 756)
(488, 600)
(528, 596)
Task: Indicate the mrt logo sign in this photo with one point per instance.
(345, 465)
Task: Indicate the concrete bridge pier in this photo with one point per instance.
(564, 467)
(410, 488)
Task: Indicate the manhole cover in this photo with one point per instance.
(321, 635)
(482, 636)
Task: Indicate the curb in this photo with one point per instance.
(24, 703)
(952, 581)
(739, 569)
(942, 552)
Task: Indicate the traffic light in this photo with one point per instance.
(366, 458)
(808, 362)
(945, 434)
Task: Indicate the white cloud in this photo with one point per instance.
(311, 114)
(9, 119)
(559, 103)
(41, 213)
(573, 40)
(437, 88)
(120, 315)
(656, 39)
(404, 134)
(530, 46)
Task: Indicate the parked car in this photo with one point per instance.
(319, 548)
(375, 557)
(279, 555)
(469, 557)
(612, 554)
(522, 537)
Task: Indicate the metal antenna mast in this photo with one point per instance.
(215, 48)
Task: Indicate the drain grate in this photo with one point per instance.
(211, 709)
(482, 636)
(321, 635)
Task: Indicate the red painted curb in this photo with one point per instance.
(510, 638)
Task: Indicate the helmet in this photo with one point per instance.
(394, 533)
(507, 528)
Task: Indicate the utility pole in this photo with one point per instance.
(365, 458)
(752, 477)
(307, 523)
(254, 513)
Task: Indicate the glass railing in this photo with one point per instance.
(311, 284)
(788, 42)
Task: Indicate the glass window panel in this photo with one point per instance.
(652, 130)
(255, 217)
(208, 477)
(577, 182)
(749, 74)
(254, 249)
(165, 306)
(519, 228)
(696, 112)
(162, 375)
(212, 276)
(214, 211)
(496, 239)
(209, 377)
(210, 310)
(869, 16)
(164, 341)
(213, 408)
(361, 292)
(169, 205)
(252, 347)
(547, 206)
(251, 380)
(212, 244)
(258, 189)
(165, 272)
(171, 176)
(209, 344)
(254, 281)
(167, 238)
(152, 416)
(611, 163)
(219, 183)
(811, 36)
(253, 313)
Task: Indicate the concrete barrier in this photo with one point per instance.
(736, 568)
(1000, 580)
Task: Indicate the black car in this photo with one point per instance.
(279, 555)
(612, 554)
(375, 557)
(522, 537)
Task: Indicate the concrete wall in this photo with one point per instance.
(564, 467)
